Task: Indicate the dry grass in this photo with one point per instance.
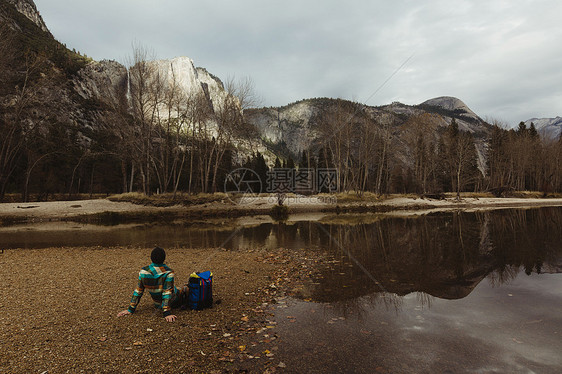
(168, 199)
(17, 198)
(354, 197)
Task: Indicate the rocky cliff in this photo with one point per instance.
(98, 78)
(29, 9)
(191, 80)
(297, 127)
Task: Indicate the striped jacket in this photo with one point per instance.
(158, 279)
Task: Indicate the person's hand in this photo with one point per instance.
(123, 313)
(170, 318)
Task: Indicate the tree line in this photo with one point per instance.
(372, 154)
(519, 159)
(383, 153)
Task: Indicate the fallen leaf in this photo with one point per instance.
(137, 343)
(149, 330)
(282, 365)
(245, 319)
(517, 341)
(242, 348)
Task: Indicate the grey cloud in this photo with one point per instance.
(501, 58)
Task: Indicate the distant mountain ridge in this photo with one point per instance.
(547, 127)
(296, 127)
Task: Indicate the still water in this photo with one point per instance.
(450, 292)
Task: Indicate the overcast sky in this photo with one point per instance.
(502, 58)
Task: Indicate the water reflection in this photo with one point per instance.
(470, 326)
(443, 255)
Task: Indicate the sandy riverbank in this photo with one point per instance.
(84, 209)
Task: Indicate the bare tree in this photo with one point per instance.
(421, 142)
(118, 123)
(385, 134)
(15, 125)
(231, 125)
(147, 92)
(337, 133)
(464, 159)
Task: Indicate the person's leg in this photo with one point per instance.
(184, 297)
(179, 300)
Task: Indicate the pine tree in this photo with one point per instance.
(521, 129)
(533, 131)
(261, 169)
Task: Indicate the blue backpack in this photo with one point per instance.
(200, 290)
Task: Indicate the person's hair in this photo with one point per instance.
(158, 255)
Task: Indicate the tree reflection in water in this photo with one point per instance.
(444, 255)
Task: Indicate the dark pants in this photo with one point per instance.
(179, 300)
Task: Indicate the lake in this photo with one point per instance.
(450, 292)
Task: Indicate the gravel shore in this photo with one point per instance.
(58, 312)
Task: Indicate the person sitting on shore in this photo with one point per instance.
(158, 278)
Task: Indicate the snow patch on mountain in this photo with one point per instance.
(547, 127)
